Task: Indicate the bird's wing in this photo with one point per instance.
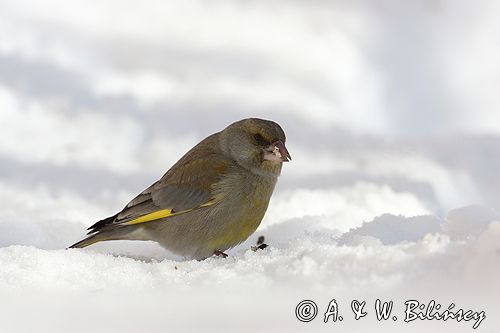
(186, 186)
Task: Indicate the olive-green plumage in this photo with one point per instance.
(212, 199)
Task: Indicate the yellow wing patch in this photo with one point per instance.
(161, 214)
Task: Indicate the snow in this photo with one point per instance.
(391, 114)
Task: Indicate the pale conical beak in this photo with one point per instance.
(277, 152)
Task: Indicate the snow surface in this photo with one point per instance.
(391, 113)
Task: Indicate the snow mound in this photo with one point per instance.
(469, 221)
(391, 229)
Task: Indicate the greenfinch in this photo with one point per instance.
(211, 200)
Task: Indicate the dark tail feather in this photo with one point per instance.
(100, 224)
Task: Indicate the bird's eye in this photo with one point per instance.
(260, 140)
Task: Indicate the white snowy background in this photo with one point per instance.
(392, 115)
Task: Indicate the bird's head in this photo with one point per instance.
(256, 144)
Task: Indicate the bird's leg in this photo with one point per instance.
(219, 253)
(260, 244)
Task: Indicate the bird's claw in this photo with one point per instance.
(219, 253)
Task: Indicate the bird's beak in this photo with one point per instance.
(277, 152)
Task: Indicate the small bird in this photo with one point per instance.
(211, 200)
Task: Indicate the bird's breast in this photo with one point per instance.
(244, 201)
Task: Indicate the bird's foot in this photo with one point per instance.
(260, 244)
(219, 253)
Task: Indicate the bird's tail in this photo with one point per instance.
(99, 231)
(111, 233)
(92, 239)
